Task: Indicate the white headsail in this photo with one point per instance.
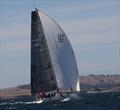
(61, 54)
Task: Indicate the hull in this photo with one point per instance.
(64, 98)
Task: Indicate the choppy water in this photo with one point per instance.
(98, 101)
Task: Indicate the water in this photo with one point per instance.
(96, 101)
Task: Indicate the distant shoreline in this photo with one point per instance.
(91, 83)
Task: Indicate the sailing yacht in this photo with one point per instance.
(53, 64)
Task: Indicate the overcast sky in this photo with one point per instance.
(92, 27)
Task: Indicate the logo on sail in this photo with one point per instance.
(61, 38)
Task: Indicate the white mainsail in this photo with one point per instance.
(61, 54)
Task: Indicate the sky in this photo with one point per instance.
(92, 27)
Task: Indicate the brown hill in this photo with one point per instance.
(98, 79)
(87, 83)
(99, 82)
